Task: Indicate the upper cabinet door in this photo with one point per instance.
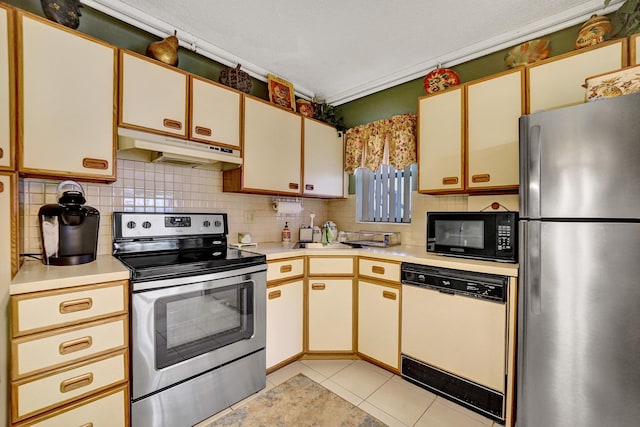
(153, 96)
(634, 49)
(323, 160)
(272, 149)
(557, 82)
(215, 113)
(441, 141)
(7, 130)
(67, 102)
(494, 106)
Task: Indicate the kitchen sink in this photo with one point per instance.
(316, 245)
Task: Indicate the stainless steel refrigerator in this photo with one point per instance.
(578, 355)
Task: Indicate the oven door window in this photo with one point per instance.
(195, 323)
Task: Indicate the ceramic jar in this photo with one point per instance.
(596, 30)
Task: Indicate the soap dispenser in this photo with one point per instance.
(286, 233)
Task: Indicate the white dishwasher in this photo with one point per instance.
(454, 335)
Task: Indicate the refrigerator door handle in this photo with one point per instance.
(533, 280)
(533, 180)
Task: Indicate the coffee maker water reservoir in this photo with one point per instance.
(69, 229)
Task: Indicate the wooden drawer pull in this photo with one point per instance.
(1, 153)
(318, 286)
(275, 294)
(294, 186)
(1, 187)
(389, 295)
(377, 269)
(485, 177)
(309, 187)
(172, 124)
(95, 163)
(75, 345)
(76, 382)
(203, 131)
(87, 425)
(286, 268)
(450, 180)
(76, 305)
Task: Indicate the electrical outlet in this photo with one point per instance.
(248, 217)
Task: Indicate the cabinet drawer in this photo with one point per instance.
(110, 409)
(284, 269)
(379, 269)
(47, 350)
(41, 311)
(44, 392)
(331, 265)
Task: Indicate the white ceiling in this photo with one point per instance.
(340, 50)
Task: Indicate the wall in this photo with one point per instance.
(149, 187)
(403, 98)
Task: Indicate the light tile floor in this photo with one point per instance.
(386, 396)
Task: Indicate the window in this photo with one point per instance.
(385, 195)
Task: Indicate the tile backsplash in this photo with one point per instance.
(150, 187)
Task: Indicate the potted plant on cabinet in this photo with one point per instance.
(626, 20)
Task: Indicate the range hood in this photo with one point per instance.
(148, 147)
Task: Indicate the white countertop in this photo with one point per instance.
(406, 253)
(34, 276)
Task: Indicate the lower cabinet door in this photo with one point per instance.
(284, 322)
(330, 314)
(110, 409)
(42, 393)
(379, 322)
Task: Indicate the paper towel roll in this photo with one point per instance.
(287, 208)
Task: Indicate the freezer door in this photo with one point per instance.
(579, 325)
(582, 161)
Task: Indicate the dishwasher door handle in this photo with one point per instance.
(446, 291)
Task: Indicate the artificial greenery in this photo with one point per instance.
(626, 20)
(327, 113)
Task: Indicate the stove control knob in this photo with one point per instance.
(206, 224)
(217, 223)
(131, 225)
(146, 224)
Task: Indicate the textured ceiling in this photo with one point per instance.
(339, 50)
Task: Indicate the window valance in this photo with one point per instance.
(387, 142)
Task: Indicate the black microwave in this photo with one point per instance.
(482, 235)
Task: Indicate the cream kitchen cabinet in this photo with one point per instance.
(8, 267)
(468, 136)
(285, 310)
(70, 353)
(158, 98)
(441, 136)
(494, 106)
(153, 96)
(215, 113)
(330, 315)
(272, 151)
(379, 322)
(67, 97)
(323, 160)
(7, 102)
(557, 82)
(330, 304)
(634, 49)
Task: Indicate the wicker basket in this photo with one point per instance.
(236, 79)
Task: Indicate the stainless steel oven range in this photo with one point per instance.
(198, 316)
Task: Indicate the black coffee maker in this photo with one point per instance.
(69, 230)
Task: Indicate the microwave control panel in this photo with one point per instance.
(504, 237)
